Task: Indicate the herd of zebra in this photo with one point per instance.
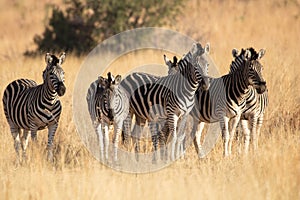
(164, 102)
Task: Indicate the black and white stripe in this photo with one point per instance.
(253, 113)
(97, 100)
(34, 107)
(170, 97)
(252, 117)
(108, 105)
(226, 97)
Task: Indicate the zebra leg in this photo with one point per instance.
(259, 125)
(198, 128)
(224, 122)
(181, 137)
(246, 133)
(24, 142)
(100, 139)
(33, 136)
(137, 130)
(162, 138)
(51, 133)
(117, 133)
(154, 137)
(238, 136)
(17, 143)
(172, 123)
(126, 131)
(106, 141)
(235, 121)
(253, 132)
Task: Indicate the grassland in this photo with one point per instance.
(273, 172)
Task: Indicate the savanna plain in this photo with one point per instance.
(271, 172)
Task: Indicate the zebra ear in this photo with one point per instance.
(102, 81)
(194, 48)
(235, 52)
(166, 59)
(261, 53)
(247, 54)
(109, 77)
(118, 79)
(48, 58)
(174, 60)
(62, 58)
(207, 48)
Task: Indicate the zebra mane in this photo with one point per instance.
(54, 62)
(240, 59)
(187, 57)
(254, 54)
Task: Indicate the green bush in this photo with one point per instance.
(83, 24)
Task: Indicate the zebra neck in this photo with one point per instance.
(239, 86)
(189, 74)
(49, 95)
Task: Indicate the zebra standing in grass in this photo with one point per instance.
(33, 107)
(107, 105)
(170, 97)
(163, 133)
(97, 101)
(253, 113)
(226, 97)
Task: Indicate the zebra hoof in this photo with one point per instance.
(50, 157)
(201, 153)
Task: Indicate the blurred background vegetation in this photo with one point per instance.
(84, 23)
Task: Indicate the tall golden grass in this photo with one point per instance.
(273, 172)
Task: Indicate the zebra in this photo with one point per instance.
(108, 105)
(254, 110)
(33, 107)
(163, 133)
(226, 97)
(99, 111)
(165, 98)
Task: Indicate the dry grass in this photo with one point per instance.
(273, 172)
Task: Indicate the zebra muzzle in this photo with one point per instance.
(261, 88)
(110, 114)
(61, 89)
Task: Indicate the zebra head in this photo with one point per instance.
(198, 57)
(253, 67)
(54, 74)
(102, 85)
(198, 54)
(112, 93)
(200, 60)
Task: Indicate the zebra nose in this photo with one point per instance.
(263, 83)
(205, 83)
(61, 89)
(262, 86)
(110, 114)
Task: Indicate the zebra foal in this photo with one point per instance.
(108, 105)
(33, 107)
